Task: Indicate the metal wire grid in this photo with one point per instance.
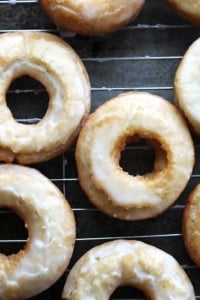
(92, 226)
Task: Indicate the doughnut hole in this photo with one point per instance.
(13, 234)
(140, 156)
(127, 292)
(27, 99)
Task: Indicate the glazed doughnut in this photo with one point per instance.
(52, 62)
(51, 231)
(187, 85)
(104, 268)
(188, 9)
(92, 16)
(104, 136)
(191, 225)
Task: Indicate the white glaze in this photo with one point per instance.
(92, 16)
(187, 85)
(98, 148)
(51, 61)
(104, 268)
(51, 229)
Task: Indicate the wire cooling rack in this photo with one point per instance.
(142, 56)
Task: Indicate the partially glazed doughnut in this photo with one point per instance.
(51, 232)
(92, 16)
(188, 9)
(191, 225)
(187, 85)
(104, 136)
(52, 62)
(104, 268)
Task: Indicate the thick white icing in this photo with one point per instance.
(102, 269)
(56, 65)
(51, 231)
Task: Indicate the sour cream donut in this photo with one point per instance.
(104, 136)
(188, 9)
(92, 16)
(191, 225)
(104, 268)
(187, 85)
(52, 62)
(51, 232)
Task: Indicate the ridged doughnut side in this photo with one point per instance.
(188, 9)
(92, 17)
(191, 225)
